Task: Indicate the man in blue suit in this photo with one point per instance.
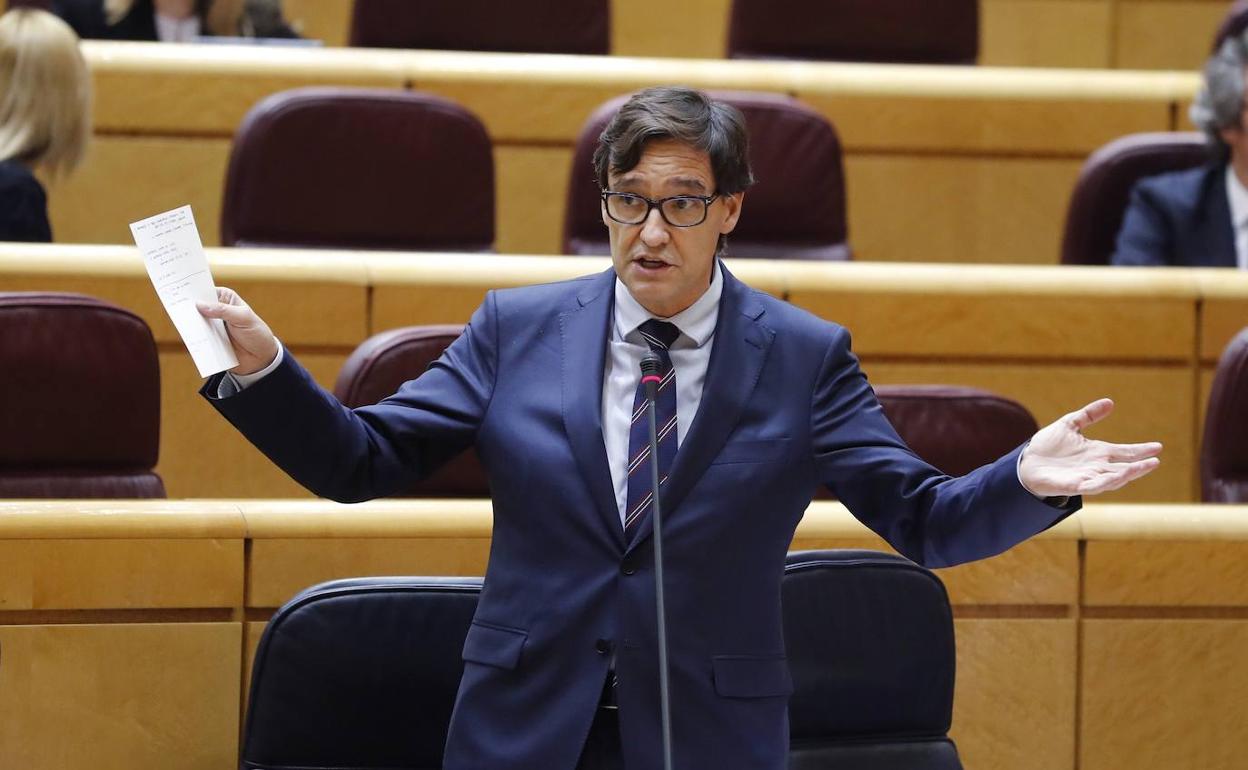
(1198, 217)
(759, 403)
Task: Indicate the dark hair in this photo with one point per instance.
(683, 114)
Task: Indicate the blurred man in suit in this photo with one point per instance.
(760, 402)
(1199, 217)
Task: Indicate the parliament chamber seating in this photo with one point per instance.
(870, 643)
(362, 673)
(1103, 189)
(385, 361)
(901, 31)
(81, 396)
(1224, 447)
(796, 209)
(359, 674)
(355, 168)
(535, 26)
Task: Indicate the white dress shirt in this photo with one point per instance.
(690, 353)
(170, 29)
(1237, 197)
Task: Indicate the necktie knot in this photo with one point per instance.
(659, 335)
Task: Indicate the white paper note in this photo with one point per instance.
(178, 267)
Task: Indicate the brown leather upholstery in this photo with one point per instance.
(1224, 450)
(534, 26)
(1103, 188)
(955, 428)
(81, 395)
(360, 168)
(908, 31)
(796, 210)
(385, 361)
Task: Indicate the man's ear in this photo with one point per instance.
(732, 204)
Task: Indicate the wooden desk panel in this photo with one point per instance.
(116, 697)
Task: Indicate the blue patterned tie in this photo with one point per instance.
(659, 335)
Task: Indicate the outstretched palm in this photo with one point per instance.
(1060, 460)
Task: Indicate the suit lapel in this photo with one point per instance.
(583, 333)
(739, 349)
(1218, 231)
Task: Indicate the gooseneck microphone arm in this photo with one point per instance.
(651, 366)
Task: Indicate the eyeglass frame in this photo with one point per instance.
(652, 204)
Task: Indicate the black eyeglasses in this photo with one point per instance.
(677, 211)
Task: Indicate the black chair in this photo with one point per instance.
(871, 648)
(360, 674)
(1224, 447)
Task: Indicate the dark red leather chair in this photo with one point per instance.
(81, 395)
(902, 31)
(385, 361)
(361, 169)
(1103, 188)
(536, 26)
(796, 209)
(1224, 449)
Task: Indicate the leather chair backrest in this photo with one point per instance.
(359, 674)
(1224, 448)
(385, 361)
(360, 169)
(870, 643)
(536, 26)
(1233, 24)
(955, 428)
(795, 210)
(81, 395)
(902, 31)
(1103, 188)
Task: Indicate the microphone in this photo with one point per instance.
(651, 365)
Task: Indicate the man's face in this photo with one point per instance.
(667, 268)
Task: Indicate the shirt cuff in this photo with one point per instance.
(1057, 501)
(232, 384)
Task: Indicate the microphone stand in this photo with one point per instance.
(650, 377)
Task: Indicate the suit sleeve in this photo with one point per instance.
(929, 517)
(374, 451)
(1145, 238)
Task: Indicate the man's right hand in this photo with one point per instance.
(252, 340)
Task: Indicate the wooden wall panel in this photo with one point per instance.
(1048, 33)
(1160, 694)
(326, 20)
(1165, 34)
(530, 193)
(967, 209)
(116, 697)
(1007, 713)
(1206, 573)
(693, 29)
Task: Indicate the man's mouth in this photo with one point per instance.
(651, 264)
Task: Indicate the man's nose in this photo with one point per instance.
(654, 230)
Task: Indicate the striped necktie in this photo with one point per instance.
(659, 335)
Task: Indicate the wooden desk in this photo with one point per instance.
(943, 164)
(1052, 338)
(1121, 630)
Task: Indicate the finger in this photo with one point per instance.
(1126, 453)
(233, 315)
(228, 296)
(1092, 413)
(1120, 477)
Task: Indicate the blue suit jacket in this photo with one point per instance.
(1181, 219)
(785, 408)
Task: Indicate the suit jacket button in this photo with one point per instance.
(628, 568)
(602, 646)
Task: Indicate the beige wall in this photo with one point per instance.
(1121, 631)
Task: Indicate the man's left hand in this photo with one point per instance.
(1061, 461)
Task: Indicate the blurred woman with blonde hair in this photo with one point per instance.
(45, 116)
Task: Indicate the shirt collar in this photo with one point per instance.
(696, 322)
(1237, 197)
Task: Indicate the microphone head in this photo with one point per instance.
(651, 363)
